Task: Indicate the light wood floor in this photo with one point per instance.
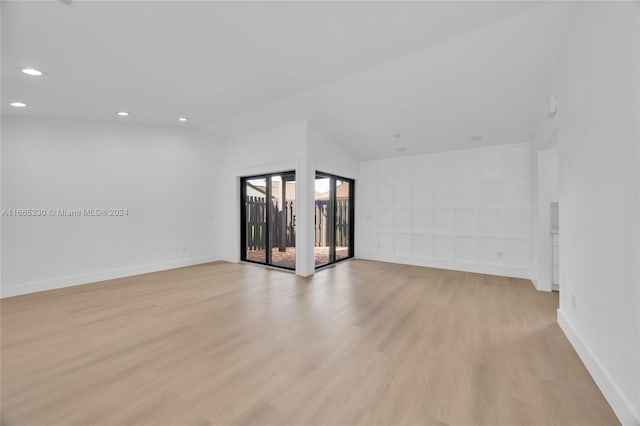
(361, 343)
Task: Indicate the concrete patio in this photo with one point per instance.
(287, 259)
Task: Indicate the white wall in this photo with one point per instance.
(466, 210)
(599, 190)
(638, 263)
(268, 151)
(181, 189)
(164, 176)
(325, 155)
(545, 191)
(297, 146)
(329, 157)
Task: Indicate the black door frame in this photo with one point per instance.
(332, 217)
(269, 206)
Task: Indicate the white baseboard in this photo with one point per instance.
(72, 280)
(542, 285)
(454, 265)
(231, 258)
(620, 405)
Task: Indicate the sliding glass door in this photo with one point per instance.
(268, 217)
(344, 219)
(333, 219)
(254, 218)
(323, 221)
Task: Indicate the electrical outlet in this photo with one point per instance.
(573, 301)
(499, 254)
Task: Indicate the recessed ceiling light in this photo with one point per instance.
(123, 113)
(32, 71)
(183, 119)
(18, 104)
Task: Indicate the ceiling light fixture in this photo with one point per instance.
(32, 72)
(183, 119)
(123, 113)
(18, 104)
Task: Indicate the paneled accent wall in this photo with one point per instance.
(466, 210)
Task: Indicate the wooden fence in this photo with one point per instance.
(256, 214)
(322, 228)
(282, 224)
(285, 222)
(342, 223)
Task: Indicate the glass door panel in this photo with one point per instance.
(282, 221)
(343, 219)
(333, 219)
(255, 219)
(323, 225)
(268, 218)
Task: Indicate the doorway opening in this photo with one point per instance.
(268, 219)
(334, 218)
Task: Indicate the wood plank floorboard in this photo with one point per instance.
(233, 344)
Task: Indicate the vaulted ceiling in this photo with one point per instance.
(437, 73)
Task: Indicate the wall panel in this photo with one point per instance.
(467, 210)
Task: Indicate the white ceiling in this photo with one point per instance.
(439, 73)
